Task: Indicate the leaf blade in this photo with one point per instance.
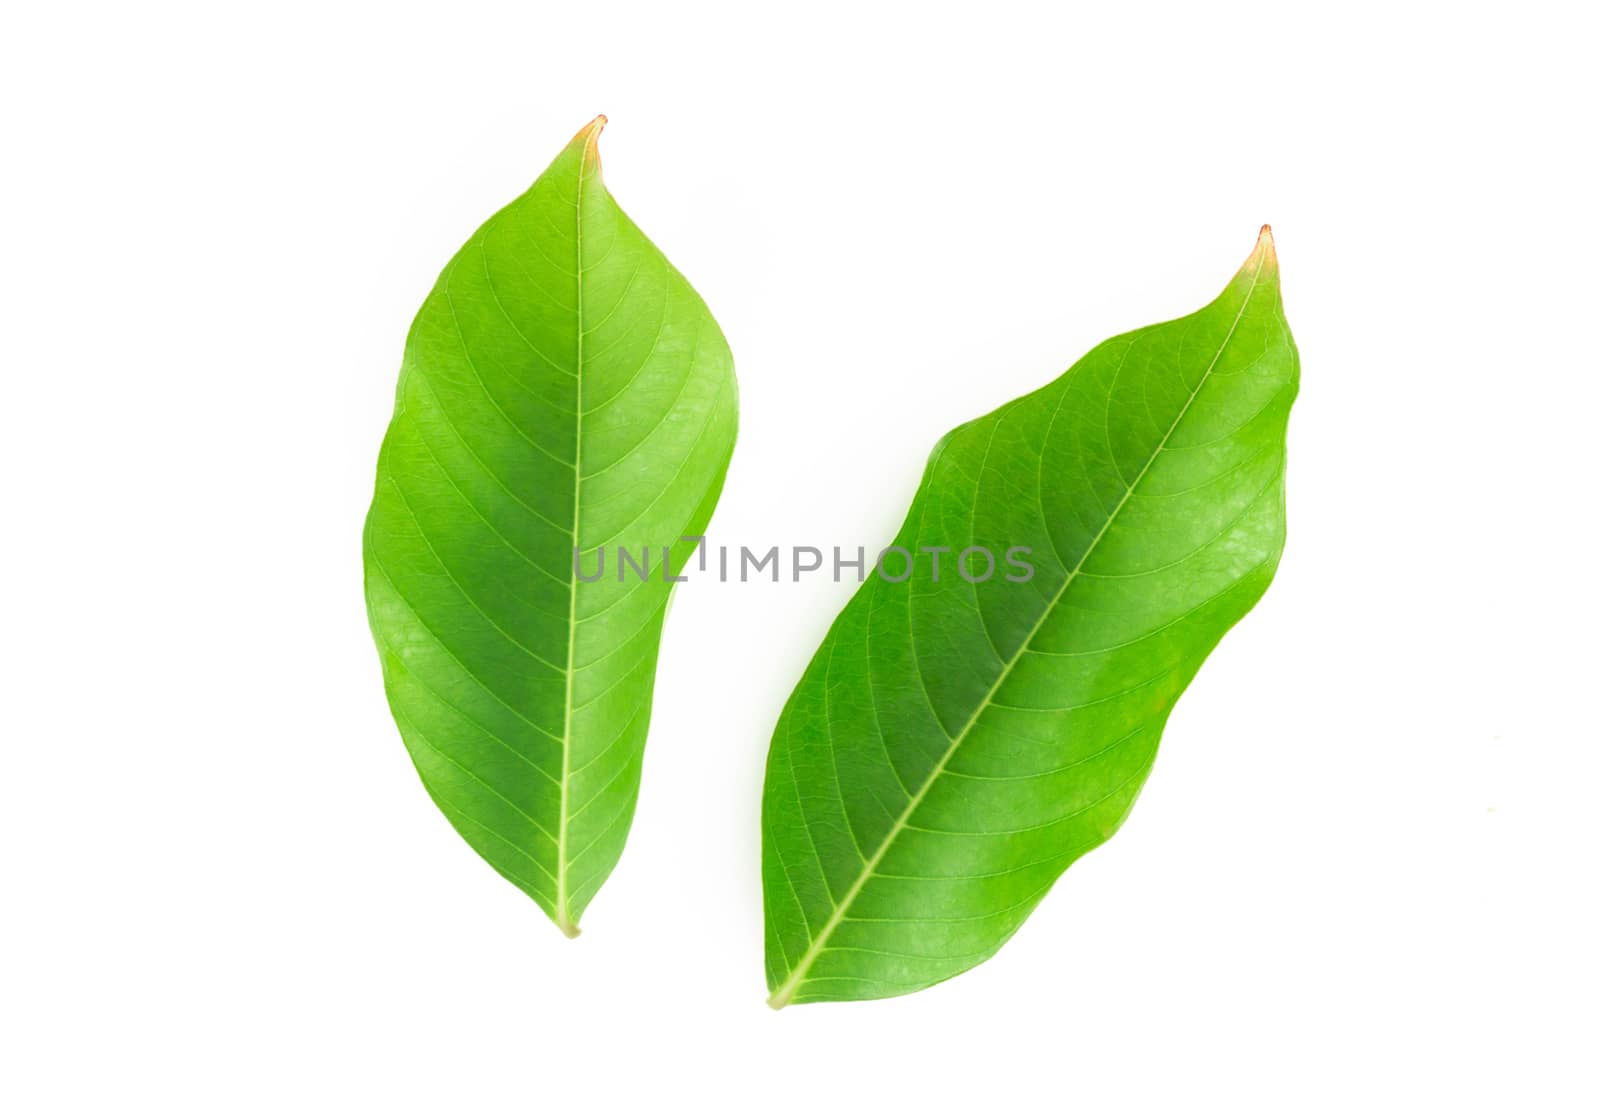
(960, 785)
(563, 387)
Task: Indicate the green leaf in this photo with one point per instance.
(563, 387)
(955, 745)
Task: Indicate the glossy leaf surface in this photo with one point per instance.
(563, 386)
(955, 745)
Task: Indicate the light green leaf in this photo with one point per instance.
(955, 745)
(563, 387)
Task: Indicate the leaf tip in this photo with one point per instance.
(595, 125)
(778, 1000)
(569, 929)
(588, 140)
(1266, 251)
(1262, 261)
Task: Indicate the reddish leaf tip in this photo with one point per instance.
(587, 141)
(1266, 251)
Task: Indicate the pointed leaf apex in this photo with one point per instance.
(1265, 249)
(587, 141)
(1263, 258)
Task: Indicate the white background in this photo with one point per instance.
(1362, 879)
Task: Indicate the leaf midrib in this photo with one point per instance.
(797, 976)
(563, 916)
